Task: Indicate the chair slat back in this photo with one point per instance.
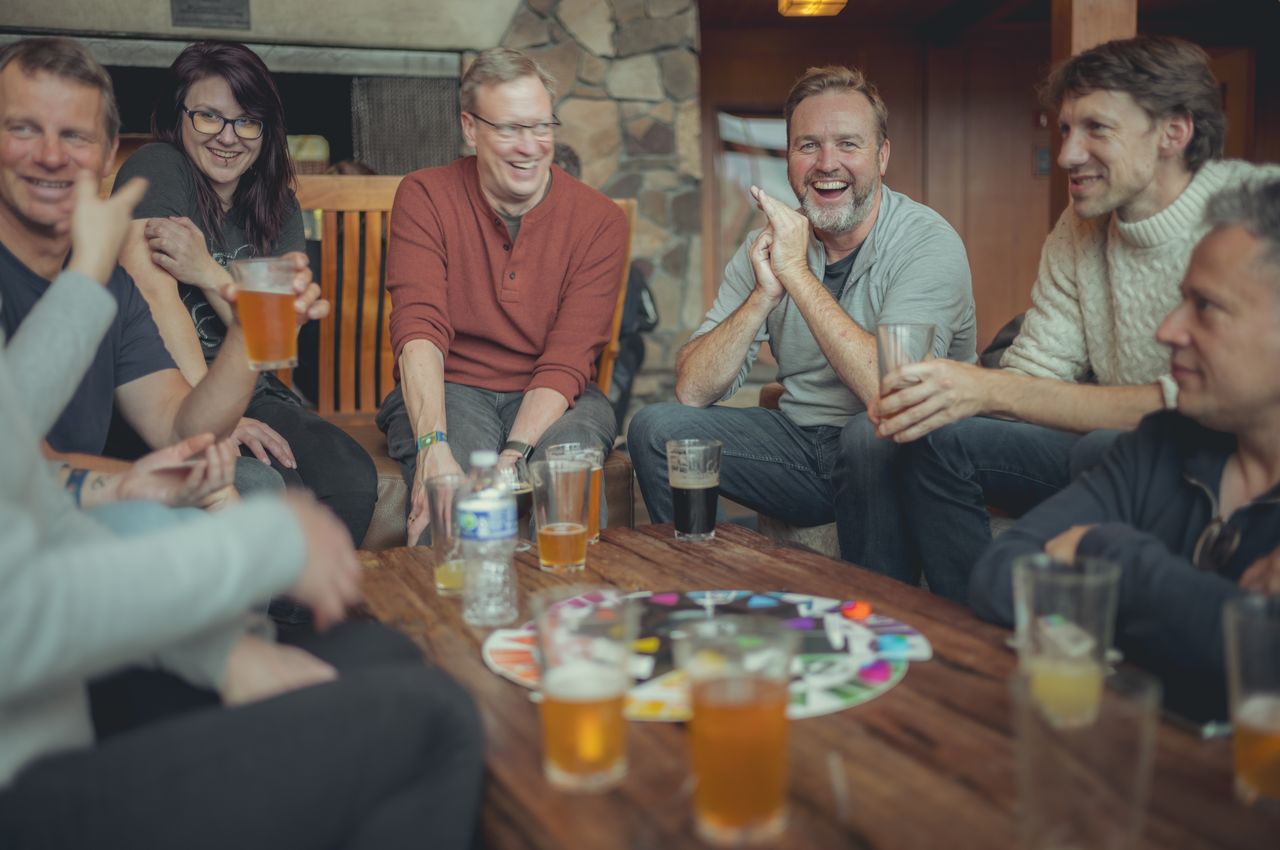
(355, 369)
(604, 369)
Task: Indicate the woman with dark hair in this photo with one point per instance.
(221, 189)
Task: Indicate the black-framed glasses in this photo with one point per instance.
(211, 124)
(508, 132)
(1216, 545)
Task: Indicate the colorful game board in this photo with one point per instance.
(848, 654)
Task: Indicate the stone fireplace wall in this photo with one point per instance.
(628, 102)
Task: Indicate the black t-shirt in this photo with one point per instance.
(835, 274)
(132, 349)
(172, 192)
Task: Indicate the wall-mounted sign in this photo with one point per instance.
(210, 14)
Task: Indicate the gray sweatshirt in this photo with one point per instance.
(76, 601)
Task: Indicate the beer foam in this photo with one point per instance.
(1261, 711)
(583, 681)
(694, 480)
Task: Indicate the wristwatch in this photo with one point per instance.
(525, 450)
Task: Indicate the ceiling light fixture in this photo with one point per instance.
(810, 8)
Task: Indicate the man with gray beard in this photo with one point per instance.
(815, 284)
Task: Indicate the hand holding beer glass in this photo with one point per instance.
(560, 496)
(899, 344)
(265, 307)
(584, 651)
(739, 670)
(693, 470)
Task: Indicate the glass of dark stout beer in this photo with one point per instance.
(693, 469)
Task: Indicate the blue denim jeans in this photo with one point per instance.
(955, 472)
(803, 476)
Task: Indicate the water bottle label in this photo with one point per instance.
(487, 522)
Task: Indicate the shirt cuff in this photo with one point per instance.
(1169, 387)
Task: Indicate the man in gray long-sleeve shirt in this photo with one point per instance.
(1189, 504)
(814, 285)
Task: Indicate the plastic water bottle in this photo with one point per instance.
(485, 517)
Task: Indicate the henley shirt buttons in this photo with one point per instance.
(506, 247)
(512, 275)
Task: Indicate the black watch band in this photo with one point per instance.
(526, 450)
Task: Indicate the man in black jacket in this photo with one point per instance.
(1189, 504)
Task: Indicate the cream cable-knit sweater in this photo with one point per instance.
(1105, 285)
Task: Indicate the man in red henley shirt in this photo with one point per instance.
(503, 273)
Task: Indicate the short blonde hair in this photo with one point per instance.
(501, 65)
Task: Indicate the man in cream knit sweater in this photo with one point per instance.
(1142, 134)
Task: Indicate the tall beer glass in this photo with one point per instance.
(739, 670)
(693, 469)
(264, 306)
(594, 456)
(560, 491)
(584, 650)
(1252, 625)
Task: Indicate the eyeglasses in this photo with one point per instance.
(508, 132)
(1216, 545)
(211, 124)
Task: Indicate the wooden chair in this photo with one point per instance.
(355, 369)
(356, 363)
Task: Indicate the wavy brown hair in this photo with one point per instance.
(264, 195)
(1166, 76)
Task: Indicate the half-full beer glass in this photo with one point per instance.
(1065, 614)
(584, 650)
(593, 455)
(739, 670)
(560, 493)
(264, 305)
(1252, 625)
(693, 469)
(450, 568)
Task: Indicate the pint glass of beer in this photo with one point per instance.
(593, 455)
(265, 308)
(693, 469)
(739, 670)
(1252, 625)
(584, 649)
(560, 495)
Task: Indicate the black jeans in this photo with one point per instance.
(388, 756)
(331, 464)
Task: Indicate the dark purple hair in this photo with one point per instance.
(263, 196)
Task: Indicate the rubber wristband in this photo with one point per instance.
(75, 483)
(431, 439)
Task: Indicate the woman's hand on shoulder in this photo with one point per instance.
(179, 247)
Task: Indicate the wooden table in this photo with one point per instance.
(929, 764)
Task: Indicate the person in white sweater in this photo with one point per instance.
(294, 753)
(1142, 134)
